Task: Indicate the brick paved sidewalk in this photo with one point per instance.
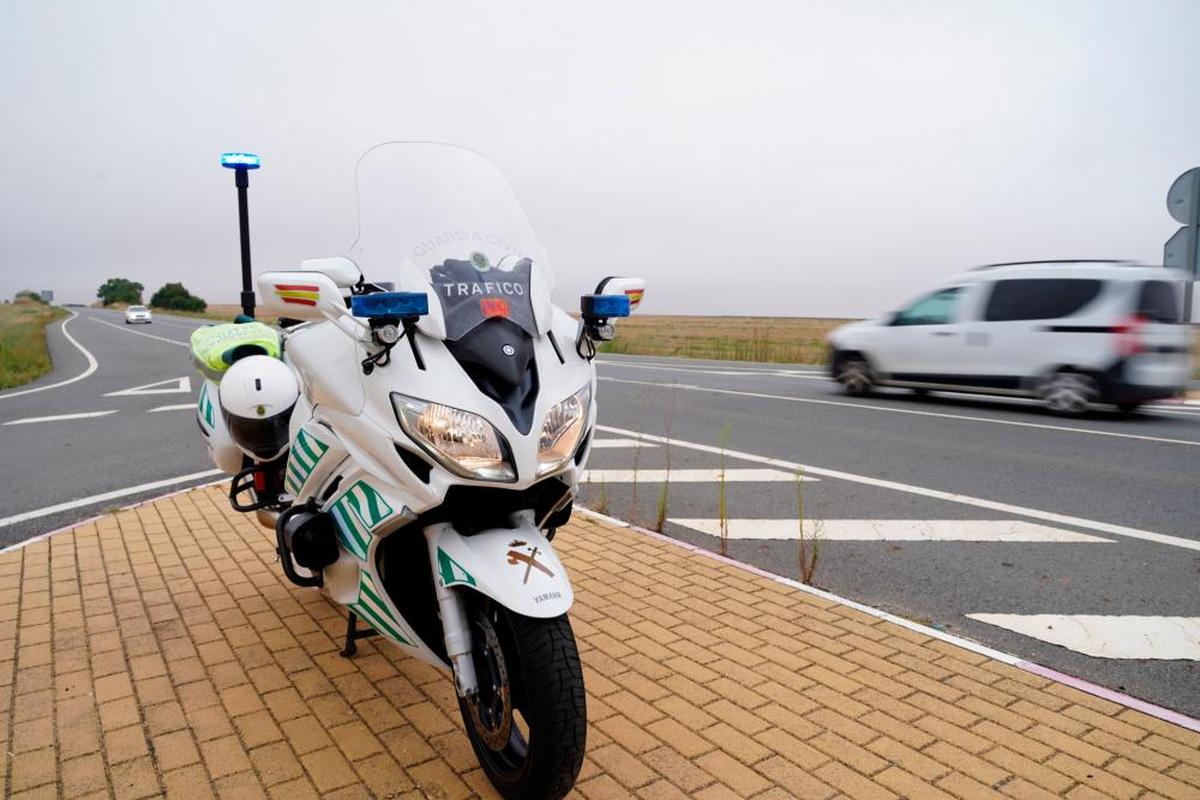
(159, 650)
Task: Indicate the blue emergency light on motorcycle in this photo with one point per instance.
(390, 304)
(603, 306)
(240, 161)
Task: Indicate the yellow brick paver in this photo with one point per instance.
(158, 651)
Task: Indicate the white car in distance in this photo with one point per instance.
(137, 314)
(1071, 333)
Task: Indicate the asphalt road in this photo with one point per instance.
(1095, 516)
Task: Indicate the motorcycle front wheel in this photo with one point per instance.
(528, 724)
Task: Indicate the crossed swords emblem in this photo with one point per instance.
(530, 561)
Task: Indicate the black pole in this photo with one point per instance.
(242, 181)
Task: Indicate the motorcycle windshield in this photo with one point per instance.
(443, 220)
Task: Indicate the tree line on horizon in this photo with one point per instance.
(172, 296)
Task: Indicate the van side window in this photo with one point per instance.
(1158, 301)
(935, 309)
(1039, 298)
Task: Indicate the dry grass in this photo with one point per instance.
(23, 355)
(781, 340)
(215, 312)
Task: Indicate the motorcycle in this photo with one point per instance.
(415, 450)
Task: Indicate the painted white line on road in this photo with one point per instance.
(687, 476)
(614, 444)
(751, 371)
(937, 494)
(1140, 637)
(140, 333)
(105, 496)
(938, 414)
(91, 367)
(179, 407)
(890, 530)
(61, 417)
(177, 385)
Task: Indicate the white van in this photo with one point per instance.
(1070, 332)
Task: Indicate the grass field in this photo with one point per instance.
(215, 312)
(782, 340)
(23, 355)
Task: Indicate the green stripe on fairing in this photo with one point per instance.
(348, 533)
(370, 616)
(365, 588)
(308, 451)
(295, 477)
(363, 495)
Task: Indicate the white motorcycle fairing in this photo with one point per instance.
(517, 567)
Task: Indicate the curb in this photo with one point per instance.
(1104, 693)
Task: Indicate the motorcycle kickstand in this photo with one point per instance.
(353, 634)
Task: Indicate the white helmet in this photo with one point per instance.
(258, 394)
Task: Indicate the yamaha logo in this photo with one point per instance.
(509, 350)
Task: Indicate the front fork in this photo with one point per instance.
(456, 629)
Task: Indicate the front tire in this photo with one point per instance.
(854, 374)
(1069, 393)
(528, 724)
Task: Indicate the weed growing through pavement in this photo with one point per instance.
(665, 489)
(722, 499)
(601, 505)
(809, 551)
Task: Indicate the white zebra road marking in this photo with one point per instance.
(689, 476)
(922, 491)
(890, 530)
(1128, 637)
(61, 417)
(177, 385)
(616, 444)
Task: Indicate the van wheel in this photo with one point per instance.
(854, 374)
(1069, 393)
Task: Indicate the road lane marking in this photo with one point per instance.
(889, 530)
(937, 494)
(177, 385)
(105, 496)
(140, 333)
(60, 417)
(91, 367)
(751, 371)
(939, 414)
(1139, 637)
(179, 407)
(614, 444)
(687, 476)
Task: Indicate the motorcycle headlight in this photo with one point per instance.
(462, 442)
(562, 429)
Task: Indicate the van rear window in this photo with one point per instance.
(1039, 298)
(1158, 301)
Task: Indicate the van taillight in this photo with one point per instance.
(1129, 335)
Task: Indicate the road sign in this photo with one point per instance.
(1182, 197)
(1177, 248)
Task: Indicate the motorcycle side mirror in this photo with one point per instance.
(633, 288)
(341, 270)
(305, 295)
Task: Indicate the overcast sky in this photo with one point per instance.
(790, 158)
